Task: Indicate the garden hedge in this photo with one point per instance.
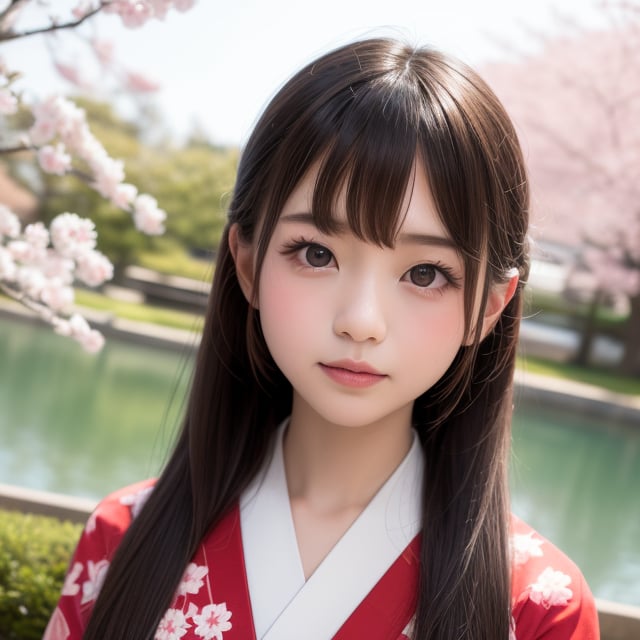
(34, 554)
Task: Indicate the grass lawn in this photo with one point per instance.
(597, 377)
(139, 312)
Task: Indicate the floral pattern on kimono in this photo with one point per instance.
(550, 598)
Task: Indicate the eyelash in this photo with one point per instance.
(294, 247)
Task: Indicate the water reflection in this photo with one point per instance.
(86, 425)
(81, 424)
(577, 480)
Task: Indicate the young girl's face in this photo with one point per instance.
(359, 330)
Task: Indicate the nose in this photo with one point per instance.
(360, 314)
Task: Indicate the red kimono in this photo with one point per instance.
(246, 581)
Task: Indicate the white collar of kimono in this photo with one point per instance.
(284, 605)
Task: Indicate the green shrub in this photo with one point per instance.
(34, 555)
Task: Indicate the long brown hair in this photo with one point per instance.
(363, 112)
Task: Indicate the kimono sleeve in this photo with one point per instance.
(88, 567)
(551, 599)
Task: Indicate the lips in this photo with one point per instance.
(351, 365)
(352, 374)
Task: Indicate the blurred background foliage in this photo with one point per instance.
(191, 181)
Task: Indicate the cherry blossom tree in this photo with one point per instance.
(577, 106)
(38, 265)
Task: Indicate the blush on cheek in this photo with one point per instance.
(285, 317)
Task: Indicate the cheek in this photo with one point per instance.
(434, 332)
(286, 311)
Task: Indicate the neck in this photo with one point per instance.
(333, 467)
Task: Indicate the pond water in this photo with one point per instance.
(86, 425)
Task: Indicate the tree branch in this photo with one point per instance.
(12, 7)
(13, 35)
(37, 307)
(20, 147)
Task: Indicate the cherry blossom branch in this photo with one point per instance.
(16, 149)
(12, 9)
(13, 35)
(38, 265)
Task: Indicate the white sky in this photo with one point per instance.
(219, 63)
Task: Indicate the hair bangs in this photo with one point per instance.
(368, 163)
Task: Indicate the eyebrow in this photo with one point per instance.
(403, 238)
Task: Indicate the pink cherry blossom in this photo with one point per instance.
(54, 159)
(56, 266)
(81, 9)
(93, 268)
(213, 620)
(109, 173)
(31, 281)
(92, 341)
(56, 295)
(172, 626)
(78, 328)
(551, 589)
(160, 8)
(9, 223)
(134, 13)
(56, 116)
(183, 5)
(139, 83)
(24, 252)
(104, 50)
(70, 74)
(192, 579)
(36, 234)
(8, 102)
(39, 266)
(147, 217)
(7, 265)
(72, 235)
(124, 195)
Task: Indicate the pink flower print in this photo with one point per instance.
(136, 500)
(407, 632)
(97, 573)
(525, 546)
(71, 587)
(213, 620)
(551, 589)
(172, 626)
(192, 579)
(57, 629)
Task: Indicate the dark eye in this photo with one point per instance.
(318, 256)
(423, 275)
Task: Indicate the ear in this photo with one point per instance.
(242, 253)
(499, 297)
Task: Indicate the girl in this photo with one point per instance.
(341, 470)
